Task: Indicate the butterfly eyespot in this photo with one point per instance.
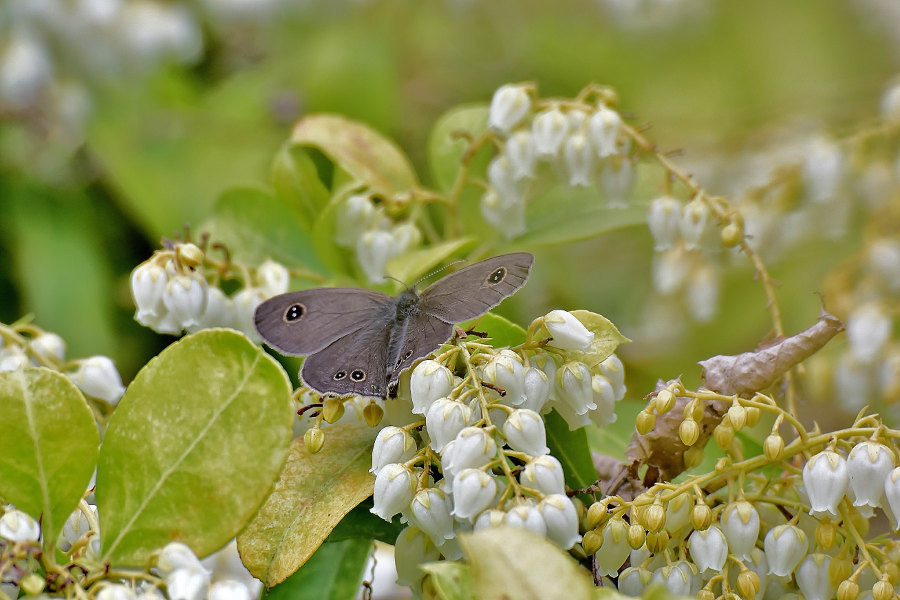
(340, 375)
(294, 312)
(358, 375)
(497, 276)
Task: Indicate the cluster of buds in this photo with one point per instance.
(474, 452)
(172, 294)
(26, 345)
(583, 142)
(365, 227)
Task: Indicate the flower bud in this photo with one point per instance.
(665, 401)
(645, 422)
(549, 130)
(825, 478)
(689, 432)
(678, 513)
(694, 223)
(472, 447)
(392, 445)
(709, 549)
(509, 105)
(603, 128)
(731, 235)
(633, 581)
(591, 542)
(694, 410)
(444, 420)
(848, 590)
(561, 520)
(773, 447)
(615, 547)
(429, 381)
(748, 584)
(430, 509)
(723, 434)
(372, 414)
(406, 236)
(812, 577)
(537, 389)
(654, 517)
(544, 474)
(395, 486)
(524, 431)
(148, 284)
(473, 491)
(313, 440)
(737, 415)
(17, 526)
(825, 533)
(505, 371)
(785, 547)
(332, 410)
(374, 249)
(701, 516)
(98, 377)
(693, 456)
(839, 569)
(752, 416)
(48, 346)
(357, 214)
(187, 584)
(868, 464)
(273, 278)
(883, 590)
(579, 160)
(567, 331)
(657, 542)
(32, 584)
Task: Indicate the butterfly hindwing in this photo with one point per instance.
(322, 316)
(353, 364)
(423, 335)
(474, 290)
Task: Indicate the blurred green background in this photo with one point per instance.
(158, 148)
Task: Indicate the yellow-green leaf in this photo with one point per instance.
(606, 338)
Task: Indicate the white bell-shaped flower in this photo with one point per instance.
(740, 524)
(825, 478)
(526, 515)
(473, 492)
(116, 591)
(406, 236)
(614, 549)
(429, 381)
(356, 216)
(177, 555)
(524, 431)
(561, 520)
(694, 223)
(544, 474)
(444, 420)
(678, 514)
(603, 128)
(575, 388)
(664, 221)
(13, 358)
(812, 577)
(605, 401)
(548, 132)
(537, 389)
(506, 371)
(490, 518)
(17, 526)
(617, 180)
(430, 509)
(506, 214)
(411, 549)
(97, 376)
(187, 584)
(49, 346)
(785, 547)
(521, 154)
(670, 270)
(568, 332)
(823, 169)
(374, 249)
(229, 589)
(392, 445)
(473, 447)
(703, 292)
(678, 579)
(76, 526)
(579, 160)
(503, 179)
(573, 420)
(219, 311)
(148, 284)
(185, 299)
(633, 580)
(273, 278)
(868, 331)
(892, 496)
(867, 466)
(709, 549)
(243, 311)
(395, 486)
(509, 105)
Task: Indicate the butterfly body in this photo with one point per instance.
(358, 341)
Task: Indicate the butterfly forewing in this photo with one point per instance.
(307, 321)
(423, 335)
(474, 290)
(353, 364)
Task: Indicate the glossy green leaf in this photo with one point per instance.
(365, 154)
(446, 148)
(193, 447)
(336, 259)
(255, 225)
(571, 449)
(451, 580)
(296, 180)
(49, 447)
(334, 572)
(511, 562)
(409, 266)
(313, 494)
(502, 332)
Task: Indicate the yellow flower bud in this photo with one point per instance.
(892, 572)
(825, 534)
(737, 414)
(693, 456)
(189, 254)
(596, 515)
(731, 235)
(752, 416)
(665, 400)
(689, 432)
(591, 541)
(773, 447)
(654, 517)
(748, 584)
(848, 590)
(706, 594)
(313, 439)
(723, 434)
(838, 570)
(32, 584)
(373, 414)
(645, 422)
(883, 590)
(332, 410)
(701, 516)
(694, 410)
(657, 542)
(635, 536)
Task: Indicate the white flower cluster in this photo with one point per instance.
(95, 376)
(364, 227)
(172, 295)
(583, 143)
(494, 464)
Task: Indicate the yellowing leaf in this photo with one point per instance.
(606, 338)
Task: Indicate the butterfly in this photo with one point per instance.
(358, 341)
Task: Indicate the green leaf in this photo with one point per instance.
(334, 572)
(510, 562)
(255, 225)
(362, 152)
(501, 331)
(360, 523)
(336, 259)
(193, 447)
(409, 266)
(451, 580)
(606, 338)
(572, 451)
(296, 180)
(446, 150)
(314, 493)
(49, 447)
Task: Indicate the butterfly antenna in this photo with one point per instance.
(444, 268)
